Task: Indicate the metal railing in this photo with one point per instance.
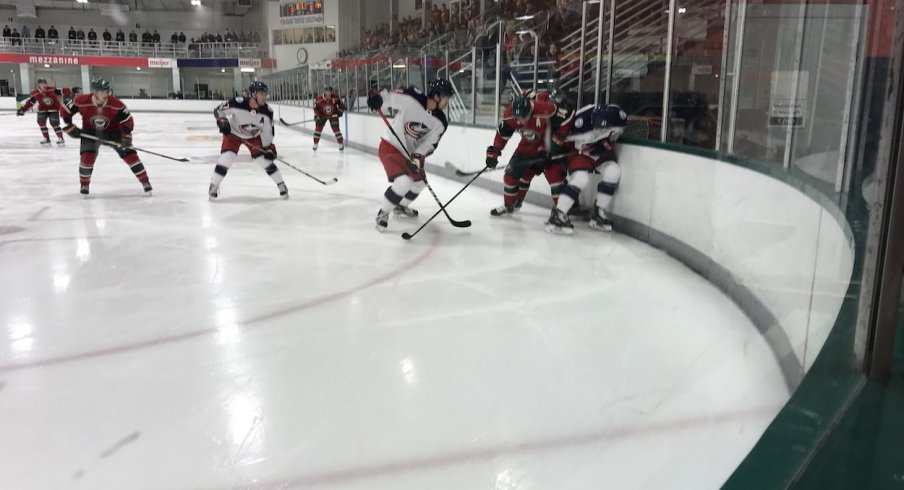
(126, 49)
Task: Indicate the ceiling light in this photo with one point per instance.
(247, 70)
(222, 70)
(682, 10)
(196, 3)
(45, 66)
(138, 68)
(525, 17)
(82, 1)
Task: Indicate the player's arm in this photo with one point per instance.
(318, 109)
(222, 113)
(126, 125)
(340, 105)
(428, 143)
(504, 131)
(67, 110)
(27, 105)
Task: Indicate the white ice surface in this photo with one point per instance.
(168, 342)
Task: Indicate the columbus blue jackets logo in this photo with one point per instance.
(416, 130)
(100, 122)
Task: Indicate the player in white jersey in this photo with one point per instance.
(594, 132)
(420, 121)
(247, 122)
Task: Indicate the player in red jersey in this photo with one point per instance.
(104, 117)
(535, 121)
(328, 107)
(49, 101)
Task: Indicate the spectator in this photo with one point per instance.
(228, 37)
(72, 34)
(155, 37)
(7, 32)
(256, 38)
(181, 37)
(133, 37)
(25, 32)
(444, 15)
(219, 38)
(120, 36)
(16, 37)
(436, 15)
(92, 37)
(146, 37)
(39, 33)
(52, 33)
(174, 38)
(107, 36)
(80, 34)
(242, 37)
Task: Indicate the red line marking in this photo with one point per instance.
(249, 324)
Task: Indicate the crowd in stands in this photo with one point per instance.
(147, 38)
(462, 28)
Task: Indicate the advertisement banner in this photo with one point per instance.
(74, 60)
(305, 20)
(250, 63)
(161, 63)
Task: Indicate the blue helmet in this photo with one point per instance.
(258, 86)
(610, 116)
(441, 87)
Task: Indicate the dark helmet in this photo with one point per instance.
(610, 116)
(99, 84)
(328, 88)
(76, 90)
(441, 87)
(560, 97)
(258, 86)
(42, 80)
(521, 107)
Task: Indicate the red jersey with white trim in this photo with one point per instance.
(111, 117)
(48, 100)
(535, 131)
(327, 107)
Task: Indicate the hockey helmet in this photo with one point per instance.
(328, 89)
(441, 87)
(100, 84)
(42, 80)
(521, 108)
(258, 86)
(560, 97)
(76, 90)
(610, 116)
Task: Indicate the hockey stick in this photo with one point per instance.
(293, 167)
(457, 224)
(117, 145)
(409, 236)
(526, 163)
(294, 124)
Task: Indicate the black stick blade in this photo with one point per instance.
(407, 236)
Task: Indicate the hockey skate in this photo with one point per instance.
(600, 221)
(83, 190)
(404, 212)
(341, 147)
(213, 192)
(382, 220)
(61, 142)
(45, 142)
(502, 211)
(147, 188)
(315, 147)
(283, 190)
(518, 204)
(559, 224)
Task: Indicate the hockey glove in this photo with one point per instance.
(375, 101)
(73, 131)
(416, 164)
(20, 112)
(125, 142)
(224, 125)
(492, 157)
(270, 152)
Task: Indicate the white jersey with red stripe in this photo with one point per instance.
(421, 129)
(248, 123)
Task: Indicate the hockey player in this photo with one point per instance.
(107, 118)
(328, 107)
(247, 122)
(536, 121)
(594, 133)
(49, 100)
(420, 121)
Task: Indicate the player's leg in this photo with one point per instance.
(132, 159)
(87, 156)
(511, 181)
(605, 192)
(401, 182)
(579, 167)
(318, 129)
(42, 123)
(228, 150)
(403, 210)
(55, 123)
(269, 166)
(334, 123)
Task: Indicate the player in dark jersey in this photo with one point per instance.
(49, 101)
(328, 107)
(594, 133)
(247, 122)
(107, 118)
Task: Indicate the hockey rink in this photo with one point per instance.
(170, 342)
